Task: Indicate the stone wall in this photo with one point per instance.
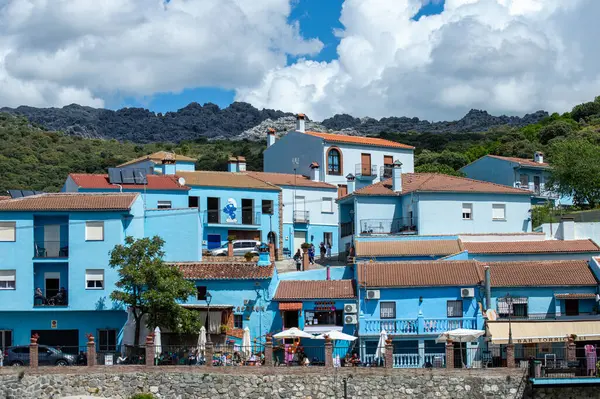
(260, 382)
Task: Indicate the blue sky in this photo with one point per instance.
(317, 18)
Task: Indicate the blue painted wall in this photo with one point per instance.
(491, 169)
(178, 198)
(314, 234)
(180, 229)
(524, 257)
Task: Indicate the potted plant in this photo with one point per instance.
(231, 238)
(305, 247)
(248, 256)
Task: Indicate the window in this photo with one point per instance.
(107, 340)
(324, 318)
(213, 209)
(164, 204)
(327, 205)
(388, 162)
(342, 190)
(94, 231)
(455, 308)
(193, 202)
(334, 166)
(238, 321)
(267, 207)
(5, 338)
(524, 180)
(467, 211)
(387, 310)
(94, 279)
(201, 293)
(519, 307)
(7, 231)
(498, 212)
(8, 279)
(572, 307)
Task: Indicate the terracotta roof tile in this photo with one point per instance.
(541, 273)
(433, 182)
(225, 271)
(225, 179)
(420, 273)
(315, 289)
(290, 306)
(4, 197)
(100, 181)
(71, 202)
(407, 247)
(359, 140)
(575, 296)
(530, 247)
(287, 179)
(159, 157)
(522, 161)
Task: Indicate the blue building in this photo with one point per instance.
(529, 174)
(62, 241)
(161, 162)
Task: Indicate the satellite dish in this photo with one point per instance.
(181, 181)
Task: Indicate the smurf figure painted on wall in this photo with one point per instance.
(230, 209)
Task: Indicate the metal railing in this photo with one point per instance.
(365, 170)
(301, 216)
(50, 249)
(385, 172)
(388, 226)
(237, 217)
(58, 297)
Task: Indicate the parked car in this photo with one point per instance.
(240, 248)
(48, 356)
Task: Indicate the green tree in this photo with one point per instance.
(437, 168)
(576, 170)
(150, 287)
(585, 110)
(555, 129)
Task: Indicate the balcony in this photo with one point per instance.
(51, 282)
(388, 226)
(538, 190)
(51, 249)
(417, 326)
(385, 172)
(365, 171)
(346, 229)
(50, 237)
(301, 216)
(238, 218)
(411, 360)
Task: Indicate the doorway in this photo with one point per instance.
(572, 307)
(52, 240)
(51, 284)
(212, 206)
(365, 161)
(300, 211)
(247, 211)
(536, 184)
(290, 319)
(299, 239)
(67, 340)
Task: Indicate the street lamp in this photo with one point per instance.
(208, 299)
(509, 302)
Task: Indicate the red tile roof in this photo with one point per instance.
(315, 289)
(288, 179)
(420, 273)
(100, 181)
(290, 306)
(542, 273)
(205, 178)
(522, 161)
(4, 197)
(407, 248)
(225, 271)
(530, 247)
(159, 157)
(359, 140)
(71, 202)
(575, 296)
(434, 182)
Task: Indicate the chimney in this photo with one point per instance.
(270, 137)
(567, 226)
(350, 183)
(241, 161)
(314, 171)
(538, 157)
(328, 273)
(232, 164)
(397, 176)
(488, 288)
(300, 123)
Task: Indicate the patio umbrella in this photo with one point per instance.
(335, 335)
(202, 340)
(293, 333)
(380, 353)
(157, 343)
(461, 335)
(246, 345)
(128, 337)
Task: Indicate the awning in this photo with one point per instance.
(575, 296)
(290, 305)
(526, 332)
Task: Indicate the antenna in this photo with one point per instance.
(295, 162)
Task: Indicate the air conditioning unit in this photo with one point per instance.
(350, 308)
(467, 292)
(373, 294)
(350, 319)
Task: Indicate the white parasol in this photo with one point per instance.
(335, 335)
(202, 340)
(293, 333)
(157, 343)
(460, 335)
(246, 343)
(380, 353)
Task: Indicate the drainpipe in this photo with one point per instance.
(488, 288)
(328, 273)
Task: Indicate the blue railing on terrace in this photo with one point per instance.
(415, 326)
(237, 217)
(50, 249)
(405, 225)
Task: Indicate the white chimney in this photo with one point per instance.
(241, 161)
(270, 137)
(314, 171)
(350, 183)
(300, 123)
(232, 164)
(538, 157)
(397, 176)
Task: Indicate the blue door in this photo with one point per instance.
(214, 241)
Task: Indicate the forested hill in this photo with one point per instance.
(239, 120)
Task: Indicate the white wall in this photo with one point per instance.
(583, 231)
(502, 238)
(313, 202)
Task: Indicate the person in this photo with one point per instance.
(328, 247)
(298, 260)
(82, 359)
(237, 358)
(61, 297)
(311, 254)
(322, 250)
(39, 295)
(355, 360)
(262, 357)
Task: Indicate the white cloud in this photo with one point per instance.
(506, 56)
(54, 52)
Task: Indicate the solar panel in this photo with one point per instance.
(27, 193)
(139, 176)
(127, 176)
(114, 176)
(15, 193)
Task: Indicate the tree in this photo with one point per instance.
(584, 110)
(576, 170)
(150, 287)
(555, 129)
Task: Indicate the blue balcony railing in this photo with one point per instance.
(405, 225)
(417, 326)
(51, 249)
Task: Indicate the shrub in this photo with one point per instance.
(142, 396)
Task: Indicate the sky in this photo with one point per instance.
(433, 59)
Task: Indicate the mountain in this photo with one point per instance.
(237, 121)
